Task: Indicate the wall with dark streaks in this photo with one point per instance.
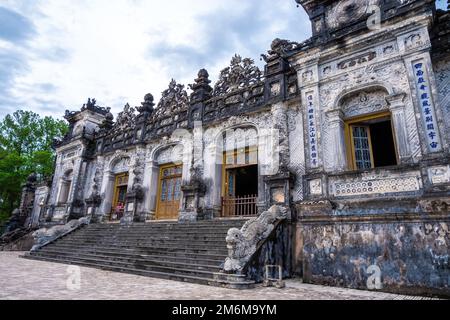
(413, 258)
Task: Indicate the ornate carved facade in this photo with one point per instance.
(351, 135)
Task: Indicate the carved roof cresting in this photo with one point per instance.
(91, 105)
(279, 48)
(173, 100)
(240, 74)
(126, 119)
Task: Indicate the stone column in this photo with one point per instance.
(148, 186)
(107, 193)
(337, 142)
(279, 112)
(77, 178)
(213, 178)
(397, 107)
(151, 195)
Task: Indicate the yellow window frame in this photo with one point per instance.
(349, 139)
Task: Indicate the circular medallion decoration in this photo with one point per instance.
(347, 11)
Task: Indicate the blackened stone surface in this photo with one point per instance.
(413, 257)
(276, 251)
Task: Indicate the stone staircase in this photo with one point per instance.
(183, 252)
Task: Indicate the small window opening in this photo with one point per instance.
(371, 142)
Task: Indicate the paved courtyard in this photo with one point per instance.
(30, 280)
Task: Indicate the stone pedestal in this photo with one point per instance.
(191, 209)
(277, 191)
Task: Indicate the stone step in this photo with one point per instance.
(168, 227)
(163, 254)
(138, 265)
(180, 237)
(168, 248)
(147, 273)
(162, 275)
(150, 241)
(133, 260)
(186, 252)
(176, 224)
(188, 258)
(151, 232)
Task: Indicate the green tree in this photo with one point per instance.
(25, 147)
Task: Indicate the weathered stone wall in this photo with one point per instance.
(413, 257)
(442, 73)
(276, 251)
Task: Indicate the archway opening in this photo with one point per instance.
(117, 190)
(120, 196)
(240, 173)
(65, 187)
(169, 192)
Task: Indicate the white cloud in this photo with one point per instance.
(106, 49)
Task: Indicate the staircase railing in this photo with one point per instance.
(44, 237)
(275, 250)
(245, 243)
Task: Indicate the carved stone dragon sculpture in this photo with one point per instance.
(243, 243)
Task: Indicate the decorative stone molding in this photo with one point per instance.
(241, 73)
(315, 187)
(375, 186)
(279, 48)
(439, 174)
(242, 244)
(44, 236)
(435, 205)
(173, 101)
(126, 119)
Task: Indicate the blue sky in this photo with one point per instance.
(54, 54)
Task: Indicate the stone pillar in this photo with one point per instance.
(397, 108)
(149, 187)
(107, 194)
(279, 112)
(151, 199)
(77, 178)
(213, 178)
(337, 141)
(27, 201)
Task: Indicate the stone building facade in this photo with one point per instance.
(348, 130)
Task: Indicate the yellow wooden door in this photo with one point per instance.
(169, 193)
(120, 192)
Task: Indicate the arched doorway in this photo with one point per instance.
(169, 170)
(65, 187)
(120, 179)
(240, 172)
(120, 196)
(169, 192)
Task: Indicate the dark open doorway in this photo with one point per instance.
(241, 193)
(246, 181)
(383, 144)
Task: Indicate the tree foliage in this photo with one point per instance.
(25, 147)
